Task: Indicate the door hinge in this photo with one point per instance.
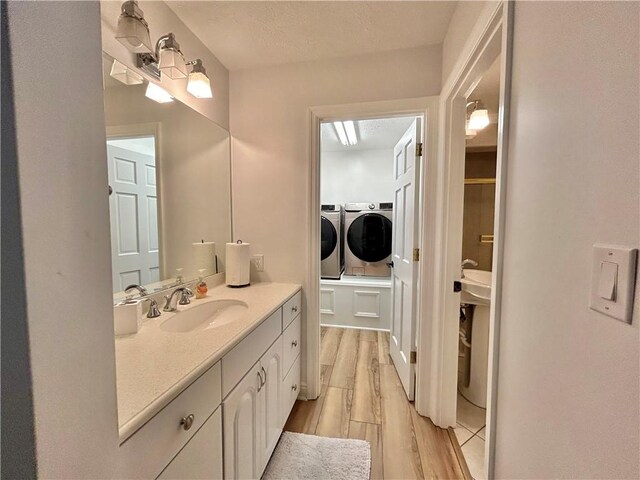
(419, 149)
(416, 254)
(413, 357)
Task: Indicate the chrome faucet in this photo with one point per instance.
(170, 305)
(465, 262)
(139, 288)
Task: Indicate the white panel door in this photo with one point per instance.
(242, 426)
(271, 401)
(406, 171)
(134, 218)
(201, 457)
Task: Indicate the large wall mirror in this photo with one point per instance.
(169, 188)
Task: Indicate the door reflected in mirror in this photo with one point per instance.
(170, 188)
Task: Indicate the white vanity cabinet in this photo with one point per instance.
(235, 411)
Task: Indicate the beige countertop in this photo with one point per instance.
(153, 366)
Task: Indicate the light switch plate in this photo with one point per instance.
(625, 259)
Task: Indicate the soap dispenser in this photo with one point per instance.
(201, 286)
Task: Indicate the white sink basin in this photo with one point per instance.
(476, 287)
(206, 316)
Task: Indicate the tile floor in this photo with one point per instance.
(470, 434)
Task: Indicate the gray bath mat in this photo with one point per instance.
(299, 456)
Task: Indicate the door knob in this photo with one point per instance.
(187, 422)
(294, 387)
(294, 343)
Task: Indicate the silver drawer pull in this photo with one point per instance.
(294, 308)
(294, 343)
(187, 422)
(294, 387)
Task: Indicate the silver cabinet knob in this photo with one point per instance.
(187, 422)
(294, 308)
(294, 387)
(294, 343)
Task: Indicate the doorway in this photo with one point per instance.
(424, 108)
(133, 208)
(480, 161)
(369, 235)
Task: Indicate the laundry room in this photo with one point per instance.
(357, 193)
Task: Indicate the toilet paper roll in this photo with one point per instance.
(204, 256)
(237, 264)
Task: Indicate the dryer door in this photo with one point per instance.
(369, 237)
(328, 238)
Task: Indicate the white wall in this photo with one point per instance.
(464, 19)
(65, 224)
(162, 20)
(357, 176)
(270, 147)
(568, 401)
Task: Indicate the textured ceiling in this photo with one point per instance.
(374, 134)
(249, 34)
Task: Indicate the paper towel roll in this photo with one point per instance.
(237, 264)
(204, 256)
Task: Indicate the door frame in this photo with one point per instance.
(428, 108)
(491, 35)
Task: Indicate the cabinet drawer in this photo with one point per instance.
(148, 451)
(290, 390)
(238, 361)
(202, 456)
(291, 309)
(290, 344)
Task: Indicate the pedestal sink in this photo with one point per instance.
(205, 316)
(476, 290)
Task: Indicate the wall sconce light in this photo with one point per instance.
(479, 117)
(170, 58)
(133, 30)
(199, 84)
(468, 133)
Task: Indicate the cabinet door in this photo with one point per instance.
(201, 457)
(241, 418)
(270, 401)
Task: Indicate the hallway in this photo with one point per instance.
(362, 398)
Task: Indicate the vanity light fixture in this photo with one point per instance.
(166, 58)
(199, 84)
(133, 30)
(479, 117)
(124, 74)
(158, 94)
(346, 132)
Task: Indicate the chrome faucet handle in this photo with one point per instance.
(170, 305)
(186, 294)
(465, 262)
(139, 288)
(154, 311)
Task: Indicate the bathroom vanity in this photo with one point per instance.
(211, 401)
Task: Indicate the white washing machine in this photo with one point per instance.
(368, 229)
(331, 243)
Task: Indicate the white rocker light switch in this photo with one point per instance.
(613, 281)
